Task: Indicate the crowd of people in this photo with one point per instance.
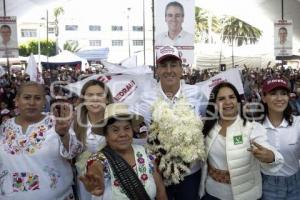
(196, 148)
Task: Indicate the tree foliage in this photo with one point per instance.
(57, 13)
(230, 28)
(72, 46)
(47, 48)
(240, 31)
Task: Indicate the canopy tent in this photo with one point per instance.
(65, 58)
(211, 56)
(94, 54)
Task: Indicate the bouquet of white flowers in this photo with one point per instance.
(175, 138)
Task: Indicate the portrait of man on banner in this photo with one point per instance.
(175, 27)
(283, 37)
(8, 37)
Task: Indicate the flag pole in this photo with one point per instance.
(153, 38)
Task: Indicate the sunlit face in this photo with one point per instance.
(5, 34)
(95, 99)
(227, 103)
(169, 73)
(31, 102)
(174, 18)
(119, 135)
(276, 100)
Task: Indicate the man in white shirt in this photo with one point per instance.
(171, 90)
(176, 36)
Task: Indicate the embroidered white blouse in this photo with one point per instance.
(144, 170)
(32, 165)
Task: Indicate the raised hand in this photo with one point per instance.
(63, 115)
(261, 153)
(93, 179)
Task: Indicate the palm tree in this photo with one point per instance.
(72, 46)
(240, 31)
(57, 13)
(203, 18)
(236, 30)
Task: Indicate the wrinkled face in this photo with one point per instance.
(174, 18)
(119, 135)
(282, 35)
(227, 103)
(5, 34)
(276, 100)
(169, 72)
(31, 102)
(95, 99)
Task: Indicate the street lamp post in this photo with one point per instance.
(128, 24)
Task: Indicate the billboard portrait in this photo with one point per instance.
(283, 38)
(175, 26)
(8, 37)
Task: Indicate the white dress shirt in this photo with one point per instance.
(184, 38)
(192, 93)
(286, 139)
(184, 42)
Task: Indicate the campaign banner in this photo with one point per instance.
(125, 87)
(9, 38)
(283, 38)
(232, 75)
(175, 26)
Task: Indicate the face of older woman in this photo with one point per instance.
(119, 135)
(30, 102)
(227, 104)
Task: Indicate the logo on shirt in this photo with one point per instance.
(238, 139)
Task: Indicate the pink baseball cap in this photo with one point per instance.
(167, 52)
(271, 84)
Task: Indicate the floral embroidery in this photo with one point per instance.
(106, 170)
(16, 143)
(25, 181)
(54, 176)
(142, 167)
(144, 177)
(2, 178)
(116, 183)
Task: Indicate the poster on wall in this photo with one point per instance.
(283, 38)
(9, 38)
(175, 26)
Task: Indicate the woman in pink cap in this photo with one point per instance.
(283, 131)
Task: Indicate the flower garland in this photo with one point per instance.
(175, 138)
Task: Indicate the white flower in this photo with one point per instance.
(175, 138)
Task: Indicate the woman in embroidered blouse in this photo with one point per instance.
(236, 148)
(283, 132)
(122, 170)
(32, 165)
(95, 95)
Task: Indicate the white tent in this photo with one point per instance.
(66, 57)
(211, 56)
